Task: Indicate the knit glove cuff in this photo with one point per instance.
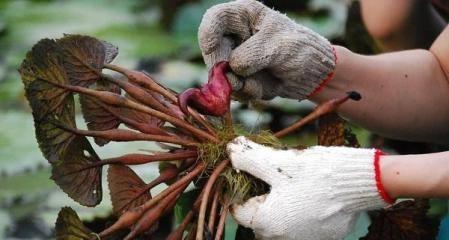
(355, 179)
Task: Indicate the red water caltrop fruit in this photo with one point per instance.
(212, 98)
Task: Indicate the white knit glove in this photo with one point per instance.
(276, 56)
(315, 194)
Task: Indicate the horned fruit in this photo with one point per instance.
(212, 98)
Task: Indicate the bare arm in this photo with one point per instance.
(414, 24)
(417, 176)
(405, 95)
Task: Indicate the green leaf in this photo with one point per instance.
(244, 233)
(126, 188)
(70, 227)
(184, 204)
(77, 175)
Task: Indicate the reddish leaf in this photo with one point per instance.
(84, 58)
(351, 138)
(98, 116)
(404, 221)
(104, 85)
(70, 227)
(110, 51)
(52, 108)
(331, 130)
(126, 188)
(77, 175)
(39, 70)
(52, 140)
(334, 132)
(49, 103)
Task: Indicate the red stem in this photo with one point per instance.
(144, 128)
(145, 80)
(192, 233)
(122, 135)
(118, 100)
(228, 119)
(140, 95)
(320, 110)
(210, 183)
(166, 175)
(130, 217)
(179, 232)
(222, 221)
(213, 211)
(153, 214)
(137, 159)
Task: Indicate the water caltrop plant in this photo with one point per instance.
(192, 128)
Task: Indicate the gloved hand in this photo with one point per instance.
(274, 55)
(315, 193)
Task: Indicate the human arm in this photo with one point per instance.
(414, 24)
(405, 95)
(416, 176)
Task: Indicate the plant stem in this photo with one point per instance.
(210, 183)
(171, 204)
(122, 135)
(213, 211)
(131, 216)
(142, 79)
(144, 128)
(186, 179)
(222, 221)
(228, 120)
(118, 100)
(145, 80)
(137, 159)
(322, 109)
(133, 159)
(166, 175)
(177, 122)
(192, 233)
(140, 95)
(153, 214)
(179, 232)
